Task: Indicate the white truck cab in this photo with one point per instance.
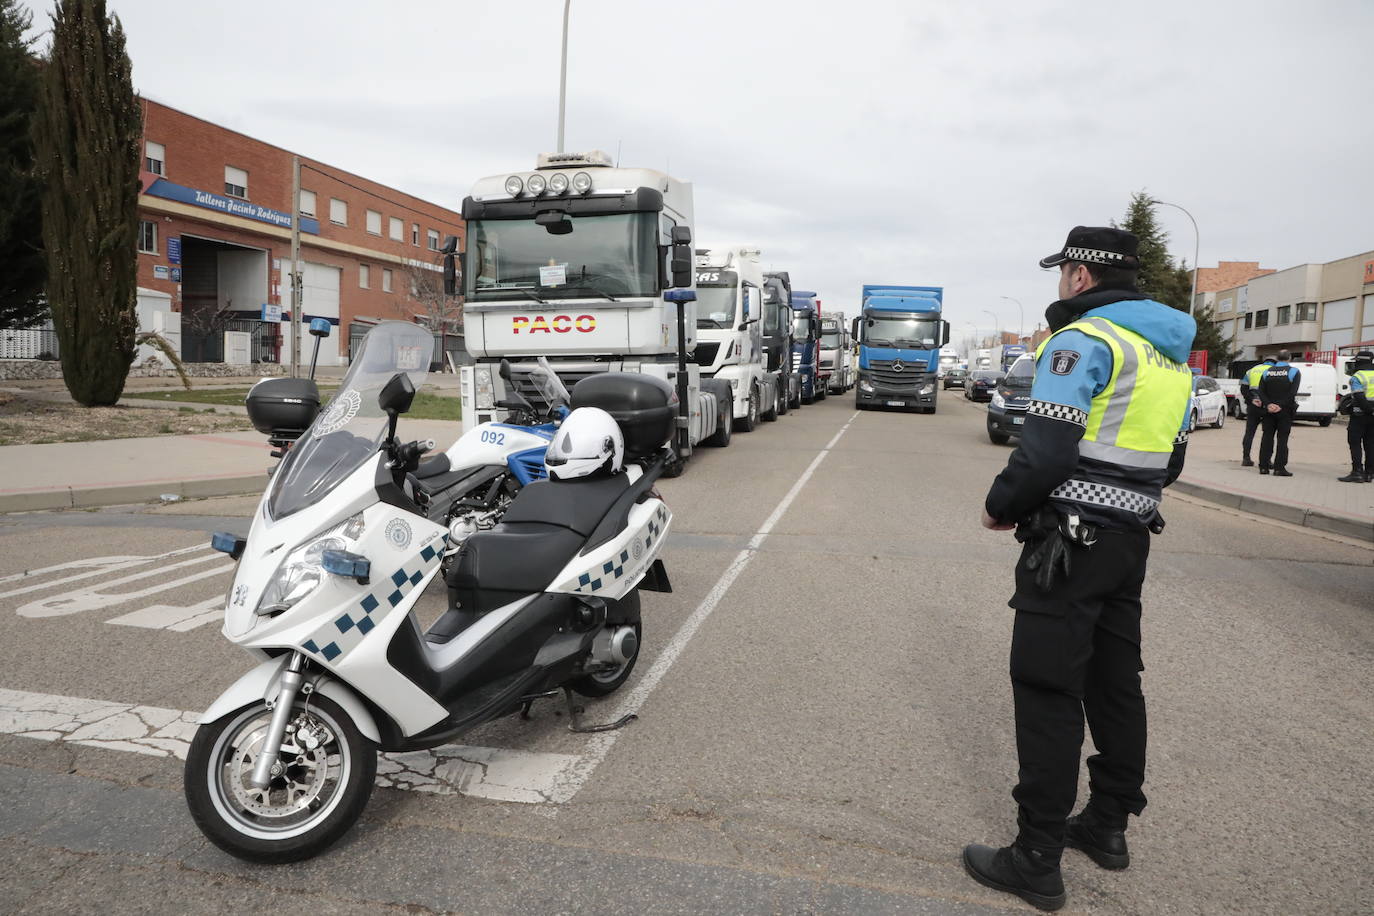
(729, 347)
(588, 265)
(837, 353)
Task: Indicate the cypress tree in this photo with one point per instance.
(86, 140)
(1159, 278)
(21, 249)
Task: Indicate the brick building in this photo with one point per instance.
(215, 246)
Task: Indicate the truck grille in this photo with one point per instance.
(910, 375)
(706, 352)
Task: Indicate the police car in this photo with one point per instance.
(1209, 403)
(1010, 399)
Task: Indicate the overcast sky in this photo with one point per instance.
(947, 142)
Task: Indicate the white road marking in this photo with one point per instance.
(600, 745)
(92, 598)
(100, 564)
(166, 617)
(482, 772)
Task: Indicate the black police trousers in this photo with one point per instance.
(1360, 437)
(1254, 416)
(1075, 651)
(1276, 425)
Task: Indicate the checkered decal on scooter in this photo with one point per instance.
(338, 638)
(594, 579)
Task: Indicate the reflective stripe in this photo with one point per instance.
(1126, 457)
(1122, 385)
(1101, 494)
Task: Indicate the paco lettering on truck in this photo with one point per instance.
(558, 324)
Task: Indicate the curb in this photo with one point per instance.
(1331, 522)
(90, 497)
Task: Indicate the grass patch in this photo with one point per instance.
(428, 404)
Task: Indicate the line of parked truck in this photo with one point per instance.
(593, 267)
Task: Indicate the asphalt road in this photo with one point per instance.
(821, 736)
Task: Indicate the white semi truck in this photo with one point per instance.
(730, 331)
(590, 266)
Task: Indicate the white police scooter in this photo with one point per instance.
(338, 554)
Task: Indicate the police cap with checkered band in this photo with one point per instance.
(1097, 245)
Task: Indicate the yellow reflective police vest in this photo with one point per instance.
(1252, 375)
(1136, 418)
(1366, 378)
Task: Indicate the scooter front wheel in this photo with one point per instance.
(320, 784)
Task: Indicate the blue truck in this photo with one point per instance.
(900, 333)
(806, 344)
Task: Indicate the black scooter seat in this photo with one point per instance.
(574, 504)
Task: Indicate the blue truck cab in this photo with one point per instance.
(806, 343)
(900, 332)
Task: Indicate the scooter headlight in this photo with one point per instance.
(299, 575)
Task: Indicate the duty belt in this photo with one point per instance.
(1101, 494)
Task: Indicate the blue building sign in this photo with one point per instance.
(169, 191)
(174, 249)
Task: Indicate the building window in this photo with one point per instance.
(373, 222)
(153, 157)
(433, 236)
(307, 202)
(386, 280)
(397, 228)
(235, 182)
(1307, 311)
(1284, 315)
(415, 234)
(338, 212)
(364, 276)
(1262, 318)
(1249, 319)
(147, 236)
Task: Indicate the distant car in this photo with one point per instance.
(1209, 403)
(1010, 401)
(955, 378)
(981, 383)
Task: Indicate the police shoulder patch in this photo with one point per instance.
(1063, 361)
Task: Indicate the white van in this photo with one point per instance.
(1318, 392)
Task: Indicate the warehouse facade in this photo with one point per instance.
(214, 251)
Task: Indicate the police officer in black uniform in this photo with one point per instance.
(1360, 435)
(1105, 432)
(1278, 393)
(1254, 408)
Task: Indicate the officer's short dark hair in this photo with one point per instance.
(1103, 275)
(1284, 356)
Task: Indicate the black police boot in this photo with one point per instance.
(1282, 472)
(1369, 476)
(1245, 462)
(1264, 470)
(1356, 475)
(1100, 837)
(1029, 874)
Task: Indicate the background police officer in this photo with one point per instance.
(1360, 435)
(1104, 433)
(1254, 407)
(1278, 392)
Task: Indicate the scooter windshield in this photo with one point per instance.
(350, 430)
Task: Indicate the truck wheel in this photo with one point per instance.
(822, 389)
(771, 413)
(746, 423)
(784, 402)
(721, 437)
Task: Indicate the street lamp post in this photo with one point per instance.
(563, 76)
(1021, 318)
(1197, 247)
(996, 326)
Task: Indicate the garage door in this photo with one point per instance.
(320, 299)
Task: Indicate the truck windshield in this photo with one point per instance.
(801, 325)
(604, 255)
(830, 339)
(716, 298)
(899, 330)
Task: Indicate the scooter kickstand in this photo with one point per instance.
(575, 715)
(529, 701)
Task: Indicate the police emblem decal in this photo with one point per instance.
(1063, 361)
(398, 533)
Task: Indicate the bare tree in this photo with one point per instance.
(424, 294)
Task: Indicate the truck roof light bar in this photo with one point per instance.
(592, 159)
(515, 186)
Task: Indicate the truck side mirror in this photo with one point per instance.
(944, 335)
(854, 329)
(681, 261)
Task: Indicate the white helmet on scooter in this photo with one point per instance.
(588, 442)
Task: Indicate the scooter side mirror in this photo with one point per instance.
(397, 394)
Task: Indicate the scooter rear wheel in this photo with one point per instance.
(607, 682)
(315, 795)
